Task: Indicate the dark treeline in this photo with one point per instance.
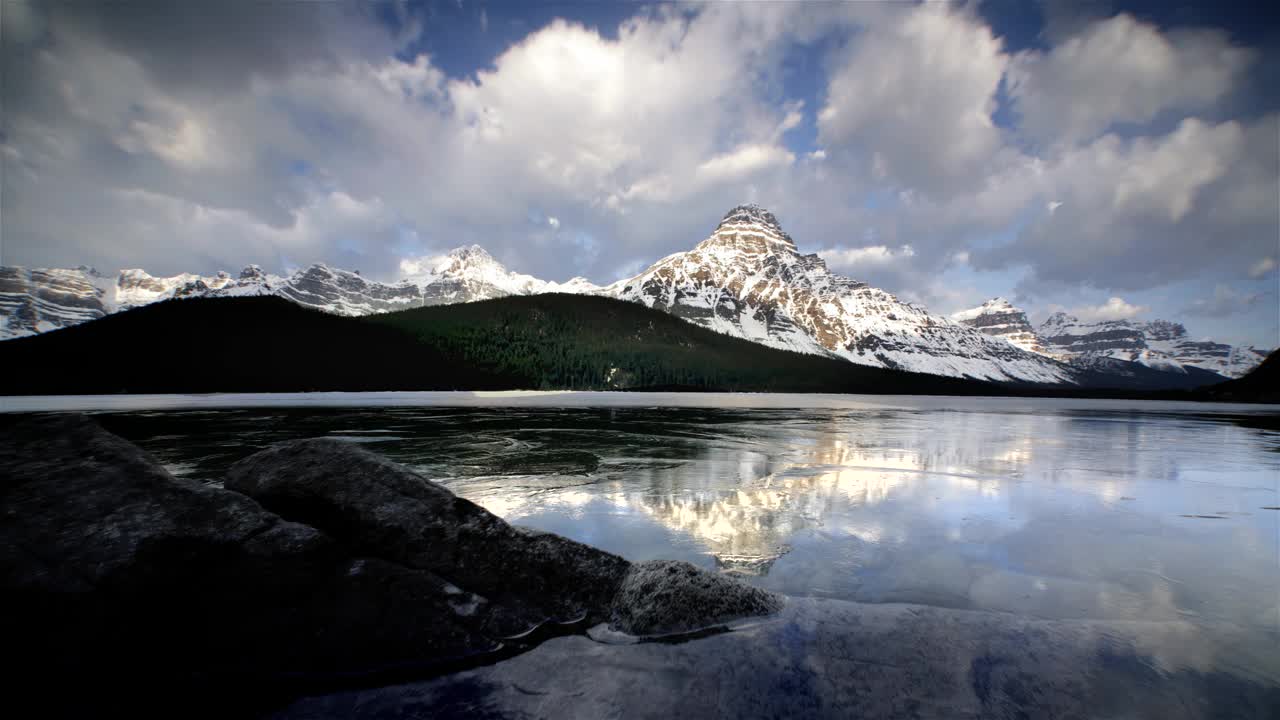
(534, 342)
(539, 342)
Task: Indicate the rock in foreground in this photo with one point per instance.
(661, 597)
(113, 568)
(152, 590)
(380, 508)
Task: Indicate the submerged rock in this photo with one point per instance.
(661, 597)
(378, 507)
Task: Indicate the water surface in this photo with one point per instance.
(1045, 508)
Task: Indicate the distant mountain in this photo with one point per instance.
(1103, 346)
(998, 317)
(38, 300)
(1158, 343)
(548, 341)
(749, 280)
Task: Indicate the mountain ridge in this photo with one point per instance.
(1157, 344)
(747, 279)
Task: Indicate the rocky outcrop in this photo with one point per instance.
(111, 565)
(149, 588)
(662, 597)
(377, 507)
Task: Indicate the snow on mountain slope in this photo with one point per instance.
(42, 299)
(33, 301)
(748, 279)
(998, 317)
(38, 300)
(1158, 343)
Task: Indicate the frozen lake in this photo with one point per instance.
(1044, 509)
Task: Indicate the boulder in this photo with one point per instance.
(115, 570)
(661, 597)
(379, 508)
(153, 589)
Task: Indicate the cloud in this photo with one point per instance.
(854, 259)
(188, 138)
(1225, 302)
(744, 161)
(568, 120)
(1121, 70)
(1150, 221)
(1113, 309)
(1262, 267)
(910, 102)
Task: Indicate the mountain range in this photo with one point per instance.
(746, 280)
(1158, 344)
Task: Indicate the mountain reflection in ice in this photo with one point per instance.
(1055, 511)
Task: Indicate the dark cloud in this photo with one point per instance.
(220, 46)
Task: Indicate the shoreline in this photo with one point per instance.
(551, 399)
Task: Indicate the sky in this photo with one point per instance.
(1115, 160)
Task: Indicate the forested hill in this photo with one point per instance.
(1260, 385)
(266, 344)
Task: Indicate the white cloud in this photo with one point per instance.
(860, 258)
(1149, 221)
(744, 161)
(554, 222)
(911, 100)
(1121, 70)
(1113, 309)
(1262, 267)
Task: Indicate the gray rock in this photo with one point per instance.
(660, 597)
(377, 507)
(111, 567)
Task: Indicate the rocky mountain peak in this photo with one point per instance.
(252, 272)
(752, 221)
(1165, 330)
(1000, 318)
(471, 254)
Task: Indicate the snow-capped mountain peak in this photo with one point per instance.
(750, 222)
(464, 274)
(1000, 318)
(749, 279)
(1158, 344)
